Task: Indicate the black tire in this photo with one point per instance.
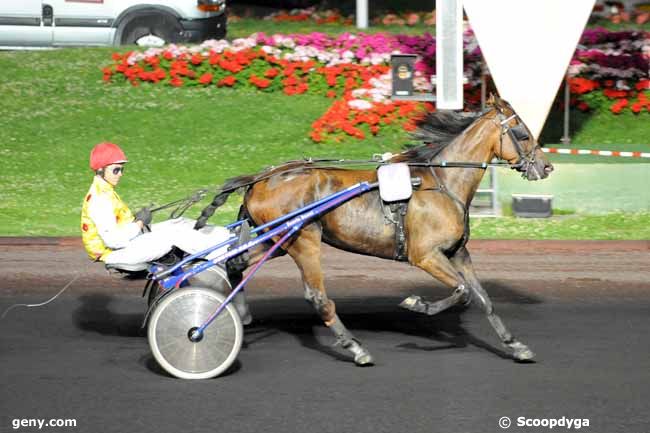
(163, 26)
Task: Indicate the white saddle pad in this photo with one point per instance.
(394, 182)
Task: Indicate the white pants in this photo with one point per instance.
(177, 232)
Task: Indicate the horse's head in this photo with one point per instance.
(516, 144)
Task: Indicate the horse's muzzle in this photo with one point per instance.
(536, 169)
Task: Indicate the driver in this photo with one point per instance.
(111, 233)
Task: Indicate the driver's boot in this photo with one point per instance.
(239, 301)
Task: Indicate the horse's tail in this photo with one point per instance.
(231, 185)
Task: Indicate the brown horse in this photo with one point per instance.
(435, 224)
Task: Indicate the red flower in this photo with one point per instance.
(290, 81)
(159, 74)
(636, 107)
(116, 56)
(612, 93)
(152, 60)
(206, 78)
(229, 81)
(168, 55)
(260, 83)
(642, 85)
(271, 73)
(84, 227)
(582, 85)
(618, 106)
(176, 82)
(316, 136)
(583, 106)
(331, 94)
(197, 59)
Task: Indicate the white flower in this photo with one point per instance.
(360, 104)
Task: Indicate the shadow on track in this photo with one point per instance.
(379, 314)
(95, 315)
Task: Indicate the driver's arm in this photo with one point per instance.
(114, 235)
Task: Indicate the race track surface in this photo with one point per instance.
(584, 308)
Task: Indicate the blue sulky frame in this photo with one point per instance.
(285, 226)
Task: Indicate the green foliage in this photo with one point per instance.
(615, 226)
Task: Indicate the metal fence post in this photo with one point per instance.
(566, 139)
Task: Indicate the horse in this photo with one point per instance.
(436, 222)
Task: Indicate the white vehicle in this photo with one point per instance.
(47, 23)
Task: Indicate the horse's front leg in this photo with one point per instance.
(463, 263)
(306, 252)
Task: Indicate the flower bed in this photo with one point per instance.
(609, 69)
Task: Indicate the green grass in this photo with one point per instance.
(614, 226)
(55, 108)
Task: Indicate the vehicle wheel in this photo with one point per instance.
(172, 323)
(151, 31)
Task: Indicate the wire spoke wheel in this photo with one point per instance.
(171, 325)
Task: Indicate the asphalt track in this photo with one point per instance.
(584, 308)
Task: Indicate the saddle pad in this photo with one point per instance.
(394, 182)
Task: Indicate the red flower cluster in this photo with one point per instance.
(582, 85)
(331, 16)
(341, 120)
(260, 83)
(641, 103)
(229, 81)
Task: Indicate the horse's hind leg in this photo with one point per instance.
(439, 267)
(463, 263)
(306, 252)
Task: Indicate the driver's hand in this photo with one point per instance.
(144, 215)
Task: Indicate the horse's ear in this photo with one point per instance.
(492, 100)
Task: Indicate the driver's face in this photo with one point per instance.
(113, 173)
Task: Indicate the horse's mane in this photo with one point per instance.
(436, 130)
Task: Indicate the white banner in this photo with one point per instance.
(528, 45)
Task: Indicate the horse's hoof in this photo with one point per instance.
(364, 360)
(413, 303)
(521, 352)
(362, 357)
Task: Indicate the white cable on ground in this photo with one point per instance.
(11, 307)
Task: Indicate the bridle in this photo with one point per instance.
(516, 134)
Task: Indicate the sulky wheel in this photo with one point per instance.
(177, 316)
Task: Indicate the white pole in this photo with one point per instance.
(449, 54)
(362, 14)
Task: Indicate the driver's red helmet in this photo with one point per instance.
(104, 154)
